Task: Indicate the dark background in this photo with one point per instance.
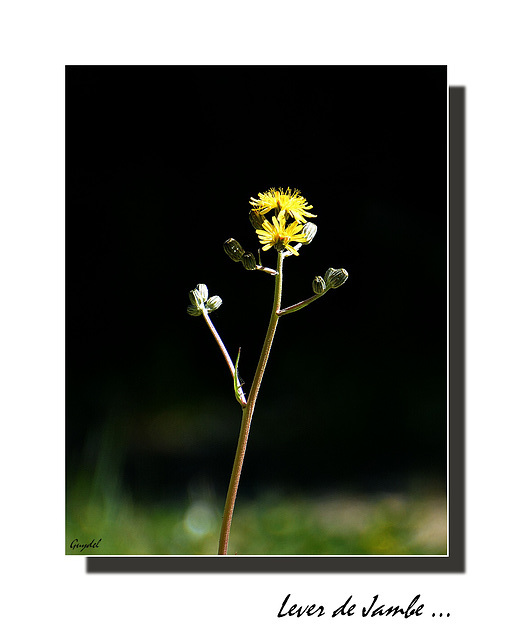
(161, 163)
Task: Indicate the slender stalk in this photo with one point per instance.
(225, 353)
(247, 413)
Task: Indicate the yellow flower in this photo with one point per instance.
(277, 234)
(283, 200)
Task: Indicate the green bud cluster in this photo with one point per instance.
(236, 252)
(332, 279)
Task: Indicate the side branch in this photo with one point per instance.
(299, 305)
(241, 397)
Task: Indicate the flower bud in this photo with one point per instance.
(249, 262)
(192, 310)
(318, 285)
(203, 291)
(309, 231)
(198, 295)
(256, 219)
(335, 278)
(200, 301)
(234, 249)
(213, 303)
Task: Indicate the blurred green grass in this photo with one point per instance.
(378, 524)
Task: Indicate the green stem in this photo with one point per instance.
(300, 305)
(247, 413)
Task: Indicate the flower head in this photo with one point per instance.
(283, 201)
(277, 234)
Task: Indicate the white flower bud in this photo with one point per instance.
(309, 231)
(213, 303)
(192, 310)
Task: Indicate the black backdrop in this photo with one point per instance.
(161, 163)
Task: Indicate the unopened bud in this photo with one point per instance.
(192, 310)
(234, 249)
(256, 219)
(335, 278)
(309, 231)
(199, 295)
(249, 262)
(213, 303)
(318, 285)
(201, 301)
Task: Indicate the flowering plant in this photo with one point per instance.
(286, 231)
